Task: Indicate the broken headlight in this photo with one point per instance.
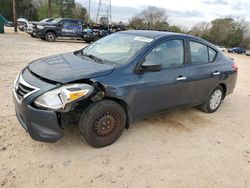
(58, 98)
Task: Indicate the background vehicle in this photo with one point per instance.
(123, 77)
(59, 28)
(94, 32)
(29, 25)
(248, 53)
(21, 23)
(221, 48)
(237, 50)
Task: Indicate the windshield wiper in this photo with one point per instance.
(97, 59)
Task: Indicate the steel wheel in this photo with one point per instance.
(105, 124)
(102, 123)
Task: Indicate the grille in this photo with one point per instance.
(22, 89)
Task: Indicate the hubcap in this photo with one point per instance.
(50, 37)
(215, 99)
(105, 124)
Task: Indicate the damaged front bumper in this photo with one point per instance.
(42, 125)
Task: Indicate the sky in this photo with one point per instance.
(180, 12)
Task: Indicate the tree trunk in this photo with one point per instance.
(49, 9)
(14, 15)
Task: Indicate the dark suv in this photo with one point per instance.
(59, 28)
(123, 77)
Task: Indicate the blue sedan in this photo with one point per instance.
(121, 78)
(237, 50)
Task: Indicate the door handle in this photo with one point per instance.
(180, 78)
(216, 73)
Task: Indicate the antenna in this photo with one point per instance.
(104, 11)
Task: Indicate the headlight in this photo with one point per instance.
(40, 27)
(58, 98)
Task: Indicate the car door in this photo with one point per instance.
(205, 71)
(167, 88)
(68, 29)
(76, 25)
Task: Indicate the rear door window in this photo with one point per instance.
(201, 53)
(212, 54)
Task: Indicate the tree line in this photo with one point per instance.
(39, 9)
(226, 32)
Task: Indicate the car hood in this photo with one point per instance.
(68, 67)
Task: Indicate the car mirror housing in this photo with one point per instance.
(150, 67)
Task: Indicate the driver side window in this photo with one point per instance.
(169, 54)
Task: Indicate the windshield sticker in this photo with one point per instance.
(143, 39)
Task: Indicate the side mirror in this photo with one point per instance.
(151, 67)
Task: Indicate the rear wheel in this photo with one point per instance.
(102, 123)
(214, 100)
(50, 36)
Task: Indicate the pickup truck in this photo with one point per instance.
(29, 25)
(59, 28)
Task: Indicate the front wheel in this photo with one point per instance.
(214, 100)
(102, 123)
(50, 36)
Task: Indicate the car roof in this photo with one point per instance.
(156, 34)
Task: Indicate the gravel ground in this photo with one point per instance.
(186, 148)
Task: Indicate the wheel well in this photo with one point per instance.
(224, 89)
(50, 31)
(124, 106)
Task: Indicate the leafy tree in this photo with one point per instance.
(67, 7)
(104, 21)
(175, 29)
(223, 31)
(153, 16)
(150, 18)
(201, 29)
(136, 22)
(43, 10)
(80, 12)
(24, 8)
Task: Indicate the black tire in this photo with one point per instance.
(207, 106)
(50, 37)
(102, 123)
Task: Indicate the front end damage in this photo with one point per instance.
(44, 124)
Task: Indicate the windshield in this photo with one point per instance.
(116, 48)
(56, 20)
(44, 20)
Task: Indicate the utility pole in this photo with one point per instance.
(14, 15)
(89, 13)
(104, 11)
(49, 8)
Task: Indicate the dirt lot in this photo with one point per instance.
(187, 148)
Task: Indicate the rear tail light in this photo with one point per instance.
(235, 67)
